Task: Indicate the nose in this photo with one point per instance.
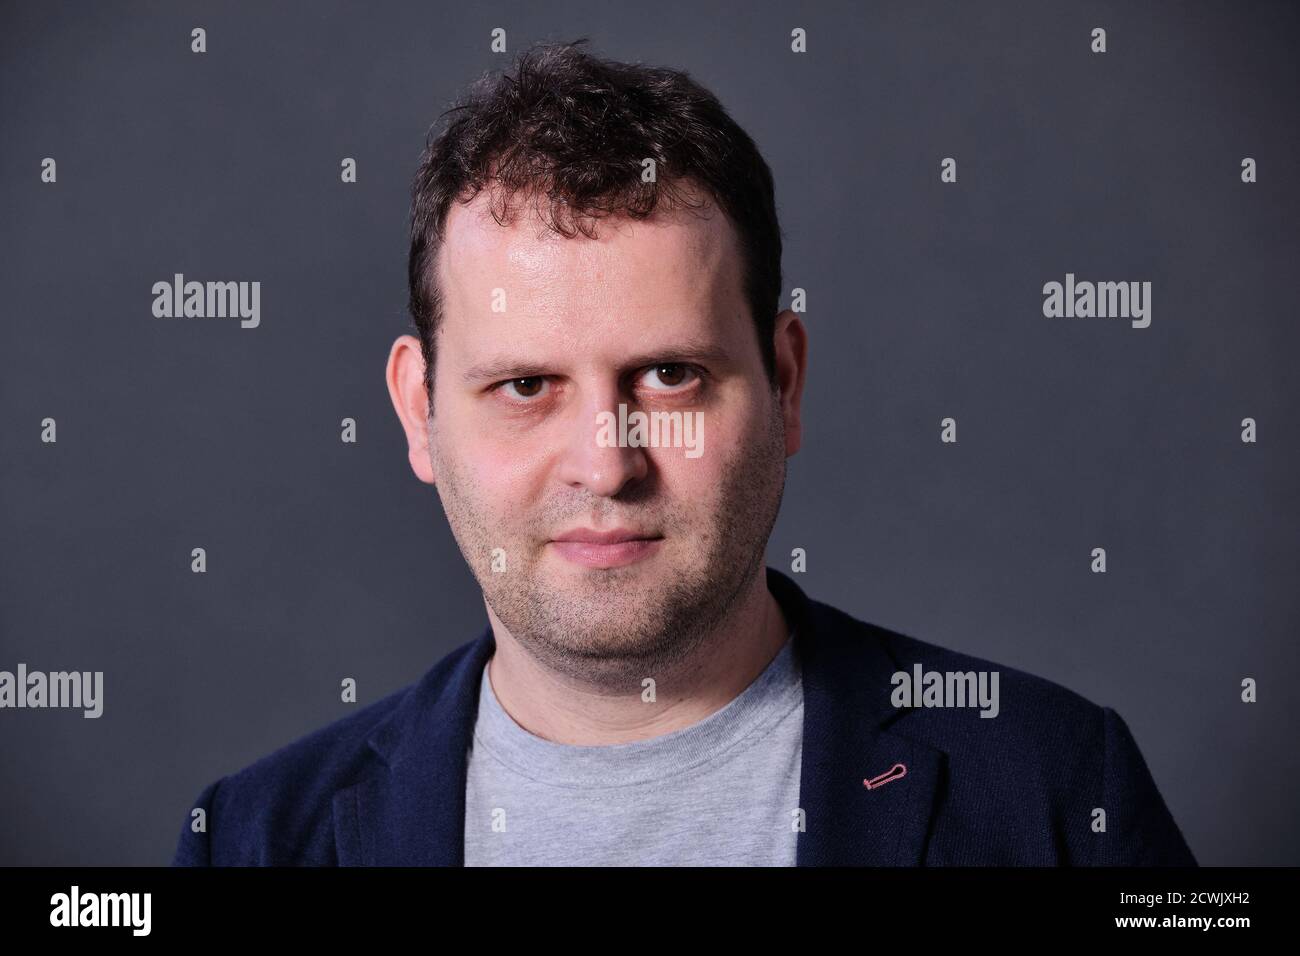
(602, 467)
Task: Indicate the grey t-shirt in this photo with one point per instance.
(723, 791)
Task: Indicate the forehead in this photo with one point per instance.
(679, 261)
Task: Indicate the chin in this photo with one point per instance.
(605, 577)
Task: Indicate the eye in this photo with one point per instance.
(523, 389)
(670, 376)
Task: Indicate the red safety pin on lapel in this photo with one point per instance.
(893, 773)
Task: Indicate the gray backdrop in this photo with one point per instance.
(328, 560)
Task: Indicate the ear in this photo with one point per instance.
(405, 377)
(791, 342)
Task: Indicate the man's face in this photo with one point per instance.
(608, 560)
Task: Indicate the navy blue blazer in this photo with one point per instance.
(386, 785)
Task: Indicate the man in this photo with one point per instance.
(593, 242)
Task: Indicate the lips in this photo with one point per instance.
(615, 548)
(613, 536)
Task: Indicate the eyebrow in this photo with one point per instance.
(508, 368)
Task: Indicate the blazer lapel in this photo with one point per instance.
(410, 811)
(846, 684)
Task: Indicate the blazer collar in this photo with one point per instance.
(410, 810)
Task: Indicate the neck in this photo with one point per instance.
(560, 709)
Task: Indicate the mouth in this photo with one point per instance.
(605, 549)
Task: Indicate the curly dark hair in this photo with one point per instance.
(575, 129)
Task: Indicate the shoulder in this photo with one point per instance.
(1034, 771)
(1009, 703)
(278, 809)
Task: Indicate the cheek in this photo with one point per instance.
(691, 484)
(507, 475)
(496, 462)
(722, 439)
